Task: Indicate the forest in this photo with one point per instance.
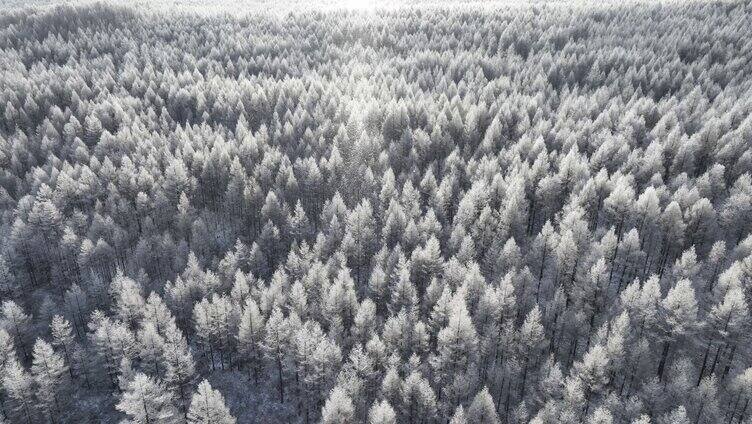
(422, 215)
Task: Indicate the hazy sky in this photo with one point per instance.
(285, 6)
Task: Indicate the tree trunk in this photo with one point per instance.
(704, 362)
(732, 411)
(524, 379)
(211, 356)
(664, 355)
(744, 410)
(699, 412)
(501, 392)
(540, 273)
(281, 382)
(146, 412)
(715, 360)
(728, 364)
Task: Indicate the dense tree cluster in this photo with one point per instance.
(539, 214)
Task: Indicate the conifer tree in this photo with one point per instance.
(146, 401)
(482, 409)
(179, 366)
(250, 337)
(62, 338)
(382, 413)
(275, 344)
(49, 372)
(18, 385)
(16, 322)
(338, 408)
(680, 309)
(208, 407)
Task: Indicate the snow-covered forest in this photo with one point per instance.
(421, 215)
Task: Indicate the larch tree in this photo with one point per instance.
(459, 416)
(360, 237)
(251, 331)
(305, 341)
(601, 415)
(62, 338)
(208, 407)
(457, 345)
(49, 372)
(727, 319)
(179, 366)
(18, 384)
(7, 350)
(338, 408)
(679, 311)
(111, 341)
(619, 204)
(531, 336)
(151, 347)
(677, 416)
(593, 372)
(275, 345)
(16, 322)
(482, 410)
(382, 413)
(418, 399)
(146, 401)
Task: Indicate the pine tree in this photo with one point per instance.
(208, 407)
(418, 398)
(531, 340)
(151, 347)
(129, 303)
(341, 301)
(456, 346)
(16, 322)
(250, 337)
(360, 238)
(679, 309)
(300, 227)
(62, 338)
(111, 341)
(8, 283)
(543, 246)
(275, 344)
(391, 387)
(127, 374)
(179, 365)
(619, 203)
(382, 413)
(426, 263)
(459, 416)
(157, 313)
(215, 321)
(482, 409)
(601, 416)
(677, 416)
(49, 371)
(146, 401)
(7, 350)
(92, 130)
(404, 295)
(18, 384)
(592, 371)
(338, 408)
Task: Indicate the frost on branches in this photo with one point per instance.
(429, 214)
